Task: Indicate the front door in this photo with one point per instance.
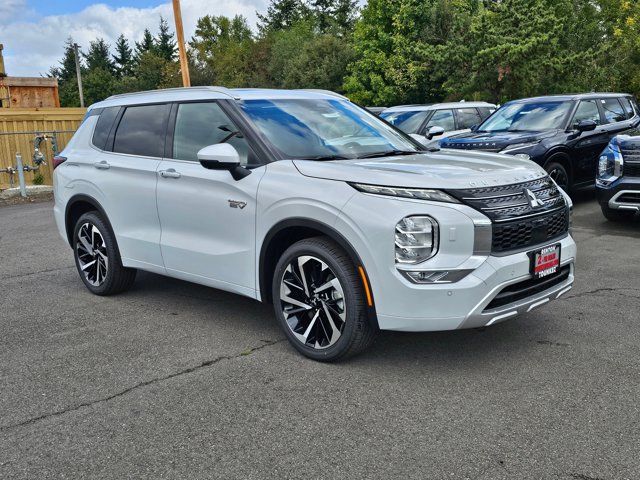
(207, 218)
(589, 144)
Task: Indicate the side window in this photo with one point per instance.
(587, 110)
(103, 126)
(442, 118)
(467, 117)
(202, 124)
(613, 111)
(485, 112)
(141, 131)
(626, 105)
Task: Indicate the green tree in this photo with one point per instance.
(98, 56)
(143, 46)
(98, 84)
(123, 58)
(282, 14)
(334, 14)
(164, 43)
(67, 67)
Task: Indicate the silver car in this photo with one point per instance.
(306, 201)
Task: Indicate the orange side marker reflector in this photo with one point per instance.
(366, 286)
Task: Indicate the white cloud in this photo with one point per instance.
(32, 47)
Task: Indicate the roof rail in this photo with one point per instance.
(326, 92)
(223, 90)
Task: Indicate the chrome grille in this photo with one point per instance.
(631, 157)
(517, 223)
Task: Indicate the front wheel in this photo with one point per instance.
(560, 175)
(319, 301)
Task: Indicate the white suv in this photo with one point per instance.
(307, 201)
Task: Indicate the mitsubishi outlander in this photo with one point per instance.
(306, 201)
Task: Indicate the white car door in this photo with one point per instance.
(129, 150)
(207, 218)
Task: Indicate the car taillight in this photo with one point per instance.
(58, 160)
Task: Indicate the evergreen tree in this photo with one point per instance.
(144, 46)
(67, 69)
(165, 44)
(98, 56)
(282, 14)
(334, 14)
(123, 58)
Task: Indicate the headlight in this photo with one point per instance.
(416, 239)
(605, 166)
(518, 146)
(415, 193)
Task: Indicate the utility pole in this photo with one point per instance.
(77, 55)
(184, 65)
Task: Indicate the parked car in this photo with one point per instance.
(376, 110)
(306, 201)
(439, 120)
(563, 133)
(618, 182)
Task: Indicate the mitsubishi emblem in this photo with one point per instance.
(534, 201)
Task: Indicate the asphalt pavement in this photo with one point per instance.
(175, 380)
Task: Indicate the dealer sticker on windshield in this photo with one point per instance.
(545, 261)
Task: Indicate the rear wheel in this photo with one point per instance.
(319, 301)
(97, 256)
(616, 215)
(559, 174)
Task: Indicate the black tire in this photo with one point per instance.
(616, 215)
(560, 175)
(117, 278)
(357, 332)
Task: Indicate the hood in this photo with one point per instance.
(493, 141)
(630, 140)
(441, 170)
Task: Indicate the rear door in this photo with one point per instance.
(125, 172)
(207, 217)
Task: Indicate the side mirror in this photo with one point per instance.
(475, 127)
(434, 132)
(586, 126)
(419, 138)
(222, 156)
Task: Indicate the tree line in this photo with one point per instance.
(388, 52)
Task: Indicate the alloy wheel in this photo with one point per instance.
(312, 301)
(91, 252)
(560, 177)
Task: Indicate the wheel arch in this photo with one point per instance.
(77, 206)
(289, 231)
(563, 157)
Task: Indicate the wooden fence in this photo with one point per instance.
(18, 128)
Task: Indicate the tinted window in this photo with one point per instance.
(485, 112)
(467, 117)
(202, 124)
(408, 122)
(613, 111)
(141, 131)
(103, 126)
(587, 110)
(626, 105)
(444, 119)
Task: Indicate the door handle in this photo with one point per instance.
(170, 173)
(103, 165)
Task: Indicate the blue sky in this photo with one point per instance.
(34, 31)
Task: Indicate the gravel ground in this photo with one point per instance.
(175, 380)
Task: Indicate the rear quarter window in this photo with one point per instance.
(626, 105)
(141, 131)
(103, 126)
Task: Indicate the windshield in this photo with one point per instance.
(527, 116)
(324, 129)
(406, 121)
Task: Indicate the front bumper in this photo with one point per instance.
(468, 303)
(623, 194)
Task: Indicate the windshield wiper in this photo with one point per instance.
(390, 153)
(321, 158)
